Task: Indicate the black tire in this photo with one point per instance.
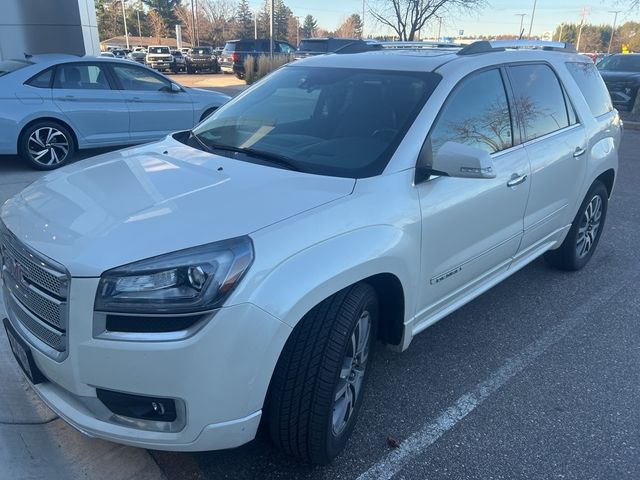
(304, 414)
(190, 71)
(240, 75)
(583, 237)
(53, 137)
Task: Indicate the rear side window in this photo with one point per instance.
(476, 114)
(81, 76)
(592, 87)
(42, 80)
(539, 100)
(315, 46)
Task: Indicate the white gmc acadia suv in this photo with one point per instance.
(172, 295)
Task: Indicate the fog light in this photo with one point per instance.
(138, 406)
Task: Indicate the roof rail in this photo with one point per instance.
(417, 45)
(484, 46)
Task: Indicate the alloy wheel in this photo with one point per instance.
(48, 146)
(351, 378)
(589, 226)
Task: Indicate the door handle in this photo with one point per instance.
(69, 98)
(135, 100)
(516, 180)
(579, 151)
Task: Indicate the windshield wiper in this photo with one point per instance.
(270, 157)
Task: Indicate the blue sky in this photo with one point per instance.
(498, 17)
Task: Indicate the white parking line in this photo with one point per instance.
(418, 442)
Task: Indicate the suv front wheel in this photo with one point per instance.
(318, 385)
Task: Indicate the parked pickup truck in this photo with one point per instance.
(159, 58)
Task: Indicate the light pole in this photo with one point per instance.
(521, 31)
(139, 27)
(439, 27)
(613, 28)
(124, 19)
(362, 19)
(271, 12)
(255, 25)
(533, 13)
(560, 34)
(193, 25)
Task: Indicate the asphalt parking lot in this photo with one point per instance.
(538, 378)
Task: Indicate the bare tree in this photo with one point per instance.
(408, 17)
(220, 16)
(156, 25)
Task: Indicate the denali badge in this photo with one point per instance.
(446, 275)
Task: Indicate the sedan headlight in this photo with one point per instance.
(192, 280)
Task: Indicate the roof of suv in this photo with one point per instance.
(428, 60)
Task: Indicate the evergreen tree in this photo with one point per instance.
(281, 17)
(244, 21)
(166, 10)
(309, 26)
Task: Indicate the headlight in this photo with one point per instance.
(192, 280)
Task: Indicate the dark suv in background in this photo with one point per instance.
(236, 51)
(201, 59)
(621, 74)
(318, 46)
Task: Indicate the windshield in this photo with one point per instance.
(201, 51)
(620, 63)
(330, 121)
(12, 65)
(159, 50)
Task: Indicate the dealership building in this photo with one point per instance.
(48, 26)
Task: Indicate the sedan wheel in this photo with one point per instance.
(47, 145)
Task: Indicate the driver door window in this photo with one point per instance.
(139, 79)
(476, 114)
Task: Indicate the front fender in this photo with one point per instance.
(302, 281)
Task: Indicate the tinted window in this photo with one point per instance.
(330, 121)
(135, 78)
(286, 48)
(476, 114)
(79, 76)
(316, 46)
(620, 63)
(42, 80)
(592, 87)
(201, 51)
(539, 99)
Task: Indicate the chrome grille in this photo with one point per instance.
(36, 292)
(52, 337)
(35, 269)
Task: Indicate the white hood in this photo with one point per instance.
(137, 203)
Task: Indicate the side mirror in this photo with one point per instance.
(459, 160)
(175, 88)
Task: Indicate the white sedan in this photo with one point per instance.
(54, 105)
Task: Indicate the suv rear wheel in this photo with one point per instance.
(46, 145)
(584, 235)
(318, 385)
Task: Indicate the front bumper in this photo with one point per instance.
(220, 374)
(159, 65)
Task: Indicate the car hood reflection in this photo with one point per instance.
(145, 201)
